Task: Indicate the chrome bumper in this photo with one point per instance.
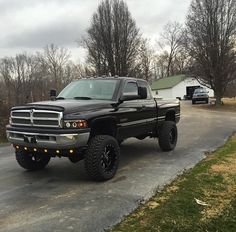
(51, 141)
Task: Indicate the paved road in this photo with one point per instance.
(61, 197)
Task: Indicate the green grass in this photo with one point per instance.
(213, 181)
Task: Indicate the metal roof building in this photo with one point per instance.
(176, 87)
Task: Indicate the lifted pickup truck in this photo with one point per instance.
(88, 120)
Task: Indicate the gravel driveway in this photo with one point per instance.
(61, 197)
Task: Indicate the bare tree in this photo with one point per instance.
(211, 36)
(113, 39)
(181, 62)
(75, 71)
(3, 93)
(55, 59)
(28, 78)
(145, 61)
(17, 73)
(82, 70)
(160, 64)
(171, 41)
(230, 91)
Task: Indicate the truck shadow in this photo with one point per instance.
(62, 170)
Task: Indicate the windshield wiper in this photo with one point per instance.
(60, 98)
(83, 98)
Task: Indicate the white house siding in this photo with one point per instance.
(164, 93)
(180, 89)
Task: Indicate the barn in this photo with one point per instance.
(178, 86)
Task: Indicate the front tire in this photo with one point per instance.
(168, 136)
(31, 161)
(102, 157)
(120, 142)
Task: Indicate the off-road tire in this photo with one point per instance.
(94, 157)
(120, 142)
(31, 161)
(168, 136)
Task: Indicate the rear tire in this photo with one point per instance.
(31, 161)
(168, 136)
(102, 157)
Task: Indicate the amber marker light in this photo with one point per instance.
(82, 124)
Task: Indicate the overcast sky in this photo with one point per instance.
(29, 25)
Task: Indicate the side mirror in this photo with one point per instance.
(53, 94)
(142, 92)
(129, 98)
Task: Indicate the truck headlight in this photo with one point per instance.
(75, 124)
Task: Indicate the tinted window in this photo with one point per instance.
(131, 88)
(144, 84)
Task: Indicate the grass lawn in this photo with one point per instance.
(229, 104)
(212, 181)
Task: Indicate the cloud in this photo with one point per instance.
(32, 24)
(61, 33)
(151, 15)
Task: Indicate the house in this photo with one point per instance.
(178, 86)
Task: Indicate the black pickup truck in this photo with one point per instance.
(88, 120)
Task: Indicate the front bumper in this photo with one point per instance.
(47, 139)
(200, 98)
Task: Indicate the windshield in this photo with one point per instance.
(200, 91)
(90, 89)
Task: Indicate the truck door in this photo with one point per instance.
(131, 113)
(149, 108)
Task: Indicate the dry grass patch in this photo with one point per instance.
(227, 167)
(229, 104)
(219, 200)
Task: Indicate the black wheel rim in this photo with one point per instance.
(108, 158)
(172, 136)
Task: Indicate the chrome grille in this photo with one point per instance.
(36, 118)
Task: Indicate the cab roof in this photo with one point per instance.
(114, 78)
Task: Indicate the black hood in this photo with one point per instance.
(69, 106)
